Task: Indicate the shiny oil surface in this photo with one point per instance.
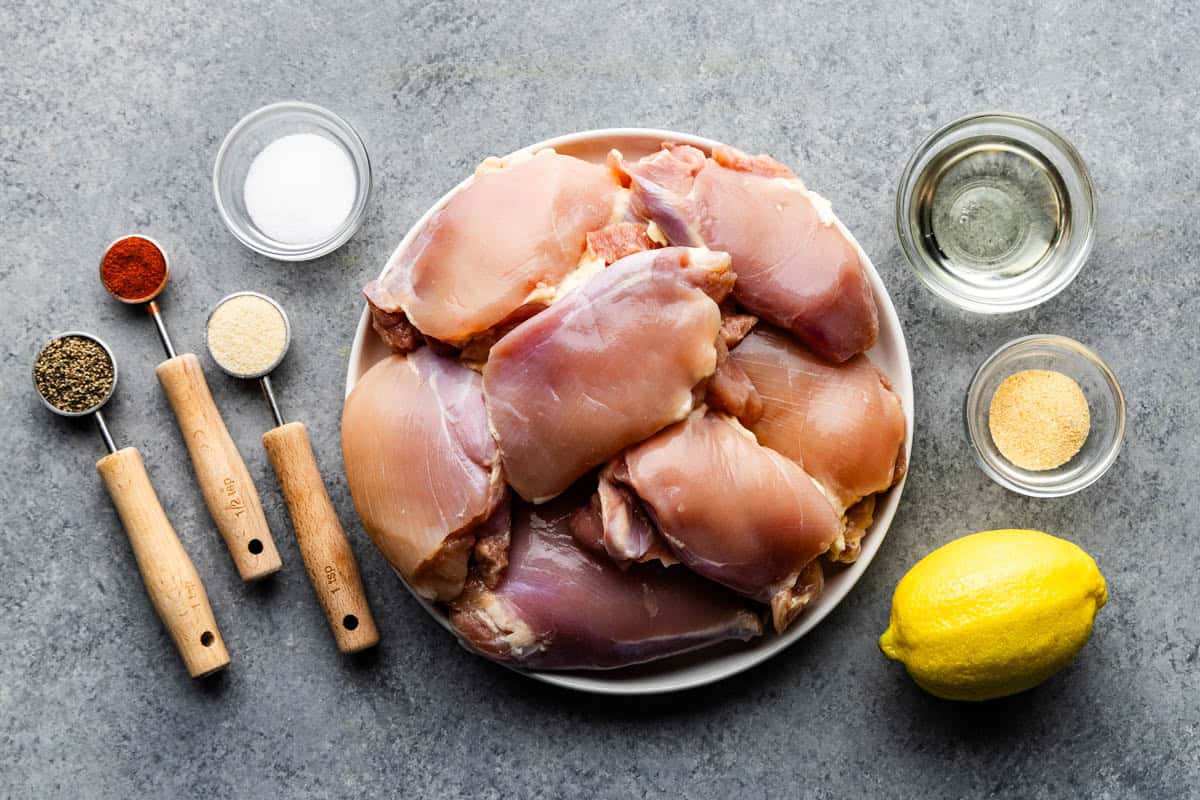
(990, 209)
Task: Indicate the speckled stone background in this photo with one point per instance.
(110, 116)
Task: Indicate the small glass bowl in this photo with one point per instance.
(248, 138)
(986, 291)
(1106, 406)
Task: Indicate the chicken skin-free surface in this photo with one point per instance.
(736, 512)
(423, 468)
(560, 606)
(609, 364)
(795, 266)
(841, 422)
(498, 249)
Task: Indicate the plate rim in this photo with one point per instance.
(739, 661)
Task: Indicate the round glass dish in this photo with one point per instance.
(1036, 256)
(248, 138)
(1106, 406)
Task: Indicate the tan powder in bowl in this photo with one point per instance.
(247, 335)
(1039, 419)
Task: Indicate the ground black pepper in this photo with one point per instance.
(73, 373)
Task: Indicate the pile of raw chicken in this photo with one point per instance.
(628, 414)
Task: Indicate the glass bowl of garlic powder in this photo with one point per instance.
(1045, 416)
(292, 180)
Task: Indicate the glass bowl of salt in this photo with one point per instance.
(1045, 416)
(292, 180)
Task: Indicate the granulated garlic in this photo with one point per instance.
(247, 335)
(1039, 419)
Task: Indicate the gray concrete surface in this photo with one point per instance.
(110, 116)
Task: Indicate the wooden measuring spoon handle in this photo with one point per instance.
(171, 580)
(224, 480)
(323, 544)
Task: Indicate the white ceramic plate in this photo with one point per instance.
(684, 672)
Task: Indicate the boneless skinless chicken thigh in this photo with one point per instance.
(561, 607)
(667, 454)
(606, 366)
(795, 267)
(423, 469)
(498, 249)
(841, 422)
(736, 512)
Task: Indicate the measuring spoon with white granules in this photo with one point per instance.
(248, 335)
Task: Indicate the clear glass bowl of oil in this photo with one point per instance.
(996, 213)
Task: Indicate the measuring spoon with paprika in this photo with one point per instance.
(75, 375)
(134, 270)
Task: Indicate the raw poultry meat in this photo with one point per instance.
(615, 524)
(594, 454)
(858, 518)
(841, 422)
(795, 267)
(734, 511)
(730, 388)
(561, 607)
(424, 470)
(609, 364)
(613, 242)
(498, 250)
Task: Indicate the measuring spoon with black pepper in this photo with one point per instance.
(75, 374)
(135, 270)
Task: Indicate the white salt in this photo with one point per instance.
(300, 189)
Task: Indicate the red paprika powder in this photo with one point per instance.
(133, 269)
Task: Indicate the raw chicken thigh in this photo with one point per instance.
(424, 470)
(610, 363)
(841, 422)
(730, 388)
(734, 511)
(614, 242)
(497, 250)
(795, 267)
(561, 607)
(616, 524)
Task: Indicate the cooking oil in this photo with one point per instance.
(991, 209)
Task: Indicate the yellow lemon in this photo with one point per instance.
(994, 613)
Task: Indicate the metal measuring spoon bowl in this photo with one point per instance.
(221, 357)
(75, 335)
(145, 297)
(93, 409)
(240, 337)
